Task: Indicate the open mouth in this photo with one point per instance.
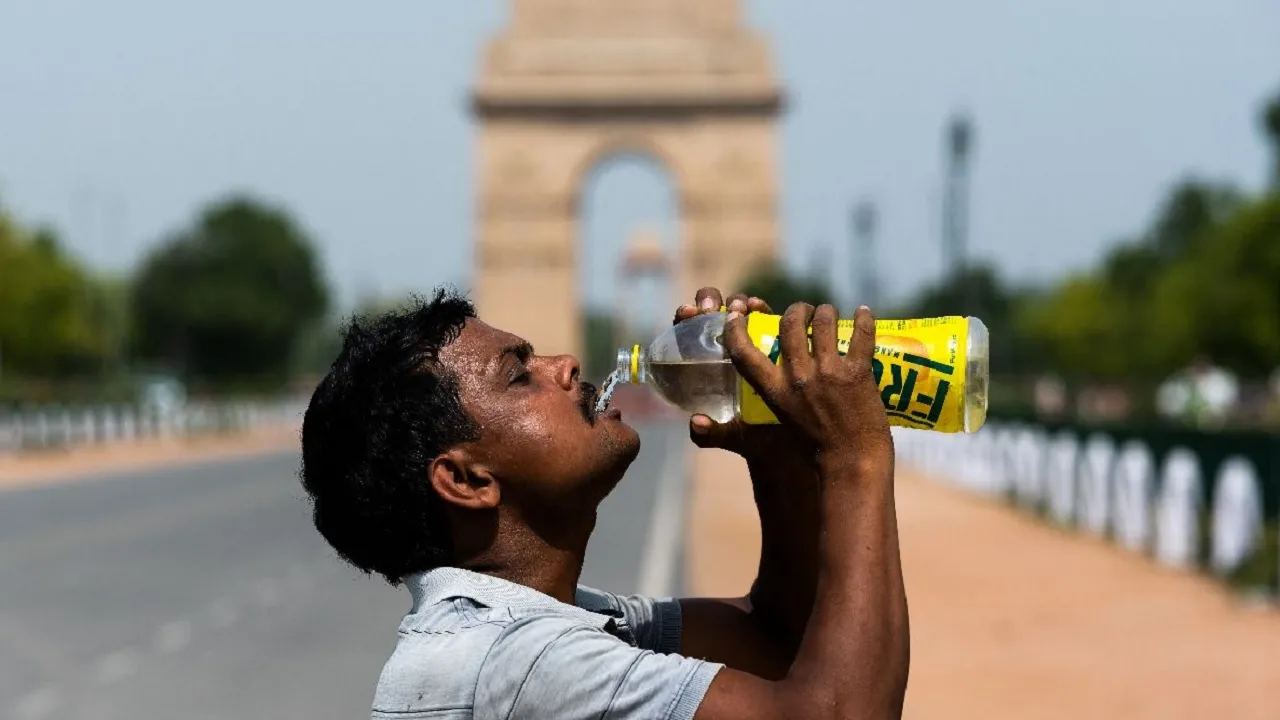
(594, 406)
(588, 398)
(606, 394)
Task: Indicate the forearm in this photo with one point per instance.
(788, 499)
(855, 649)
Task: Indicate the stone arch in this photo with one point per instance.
(568, 86)
(609, 147)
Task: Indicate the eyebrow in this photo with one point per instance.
(522, 350)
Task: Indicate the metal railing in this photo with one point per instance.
(70, 427)
(1188, 499)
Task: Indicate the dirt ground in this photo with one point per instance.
(68, 466)
(1012, 619)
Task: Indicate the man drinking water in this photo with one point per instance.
(448, 456)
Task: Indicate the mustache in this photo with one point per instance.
(588, 394)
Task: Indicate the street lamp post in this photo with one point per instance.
(865, 221)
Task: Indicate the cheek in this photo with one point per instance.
(547, 428)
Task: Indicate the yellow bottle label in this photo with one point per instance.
(918, 364)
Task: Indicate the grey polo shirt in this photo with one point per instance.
(474, 646)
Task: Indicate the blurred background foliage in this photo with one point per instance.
(237, 301)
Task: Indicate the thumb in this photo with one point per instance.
(707, 433)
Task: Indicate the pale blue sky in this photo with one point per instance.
(117, 119)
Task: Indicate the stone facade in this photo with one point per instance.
(570, 83)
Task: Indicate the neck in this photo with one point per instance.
(522, 553)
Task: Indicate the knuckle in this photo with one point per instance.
(826, 368)
(860, 370)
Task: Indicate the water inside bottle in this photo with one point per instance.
(698, 387)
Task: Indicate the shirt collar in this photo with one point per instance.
(443, 583)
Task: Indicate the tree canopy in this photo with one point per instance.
(227, 299)
(1203, 281)
(50, 307)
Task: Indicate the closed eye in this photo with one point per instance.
(519, 375)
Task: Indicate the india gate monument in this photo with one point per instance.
(570, 83)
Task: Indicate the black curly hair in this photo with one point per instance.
(384, 411)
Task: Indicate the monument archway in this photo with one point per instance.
(569, 83)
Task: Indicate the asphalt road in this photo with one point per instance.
(204, 592)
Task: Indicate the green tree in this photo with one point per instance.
(228, 299)
(1192, 208)
(1135, 319)
(1271, 126)
(1078, 330)
(1223, 298)
(48, 326)
(774, 284)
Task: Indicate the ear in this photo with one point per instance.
(462, 482)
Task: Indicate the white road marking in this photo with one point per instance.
(116, 666)
(173, 636)
(662, 543)
(38, 704)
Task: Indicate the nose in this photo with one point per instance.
(567, 371)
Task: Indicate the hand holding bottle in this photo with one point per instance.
(833, 400)
(772, 444)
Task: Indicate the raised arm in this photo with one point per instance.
(853, 659)
(760, 630)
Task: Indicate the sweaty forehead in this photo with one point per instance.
(476, 347)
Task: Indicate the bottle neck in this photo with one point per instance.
(633, 364)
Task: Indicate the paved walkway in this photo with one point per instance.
(1012, 619)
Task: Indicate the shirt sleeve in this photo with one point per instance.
(548, 667)
(656, 623)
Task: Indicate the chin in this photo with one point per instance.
(618, 451)
(629, 442)
(622, 447)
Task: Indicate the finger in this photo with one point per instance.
(824, 335)
(737, 302)
(751, 364)
(684, 312)
(863, 343)
(707, 433)
(755, 304)
(794, 331)
(708, 298)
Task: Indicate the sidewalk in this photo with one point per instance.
(1012, 619)
(43, 468)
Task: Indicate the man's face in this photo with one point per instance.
(539, 434)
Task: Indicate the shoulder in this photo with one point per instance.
(438, 657)
(553, 666)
